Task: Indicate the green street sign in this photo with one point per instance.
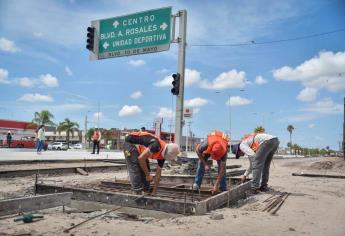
(138, 33)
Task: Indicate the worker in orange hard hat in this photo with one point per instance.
(138, 147)
(215, 146)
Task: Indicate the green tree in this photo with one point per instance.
(69, 127)
(43, 118)
(290, 128)
(259, 129)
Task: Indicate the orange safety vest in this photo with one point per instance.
(141, 148)
(216, 137)
(96, 135)
(255, 145)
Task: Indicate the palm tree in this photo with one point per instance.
(290, 128)
(259, 129)
(43, 118)
(69, 127)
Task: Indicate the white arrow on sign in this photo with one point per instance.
(105, 45)
(163, 26)
(116, 23)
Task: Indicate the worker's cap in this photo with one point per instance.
(9, 132)
(217, 151)
(235, 149)
(170, 151)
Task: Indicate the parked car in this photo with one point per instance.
(77, 146)
(59, 146)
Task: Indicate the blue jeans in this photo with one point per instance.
(40, 145)
(200, 172)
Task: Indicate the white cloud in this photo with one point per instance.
(307, 95)
(35, 97)
(165, 112)
(38, 35)
(323, 71)
(226, 80)
(49, 80)
(164, 82)
(70, 106)
(311, 126)
(196, 102)
(137, 63)
(26, 82)
(98, 114)
(3, 76)
(68, 71)
(136, 95)
(129, 110)
(191, 77)
(8, 45)
(325, 106)
(238, 101)
(260, 80)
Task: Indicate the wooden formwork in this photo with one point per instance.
(172, 200)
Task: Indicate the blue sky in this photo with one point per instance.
(44, 65)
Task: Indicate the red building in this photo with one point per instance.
(18, 129)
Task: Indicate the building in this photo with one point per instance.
(18, 129)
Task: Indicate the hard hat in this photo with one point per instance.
(217, 150)
(170, 151)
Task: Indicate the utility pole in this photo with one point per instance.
(180, 69)
(85, 135)
(344, 131)
(98, 116)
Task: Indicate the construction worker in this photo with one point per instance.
(138, 148)
(215, 146)
(260, 148)
(96, 138)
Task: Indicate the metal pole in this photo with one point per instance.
(180, 70)
(85, 135)
(98, 117)
(230, 134)
(344, 132)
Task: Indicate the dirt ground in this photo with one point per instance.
(316, 206)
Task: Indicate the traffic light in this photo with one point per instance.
(176, 84)
(90, 38)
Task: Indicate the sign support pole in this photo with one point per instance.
(181, 69)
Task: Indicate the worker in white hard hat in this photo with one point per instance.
(138, 148)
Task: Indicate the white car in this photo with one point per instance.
(59, 146)
(77, 146)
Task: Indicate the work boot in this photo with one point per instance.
(196, 187)
(254, 190)
(264, 188)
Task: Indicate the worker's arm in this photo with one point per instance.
(199, 151)
(157, 180)
(142, 162)
(219, 177)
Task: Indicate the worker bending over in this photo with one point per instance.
(260, 148)
(138, 148)
(215, 147)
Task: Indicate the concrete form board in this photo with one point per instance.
(232, 196)
(58, 171)
(34, 203)
(153, 203)
(121, 199)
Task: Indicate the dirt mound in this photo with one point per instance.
(322, 165)
(334, 165)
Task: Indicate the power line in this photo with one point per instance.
(253, 42)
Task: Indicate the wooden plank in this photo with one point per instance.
(320, 176)
(34, 203)
(122, 199)
(233, 195)
(81, 171)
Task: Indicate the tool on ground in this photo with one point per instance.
(28, 218)
(94, 217)
(275, 201)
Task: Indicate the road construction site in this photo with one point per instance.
(95, 199)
